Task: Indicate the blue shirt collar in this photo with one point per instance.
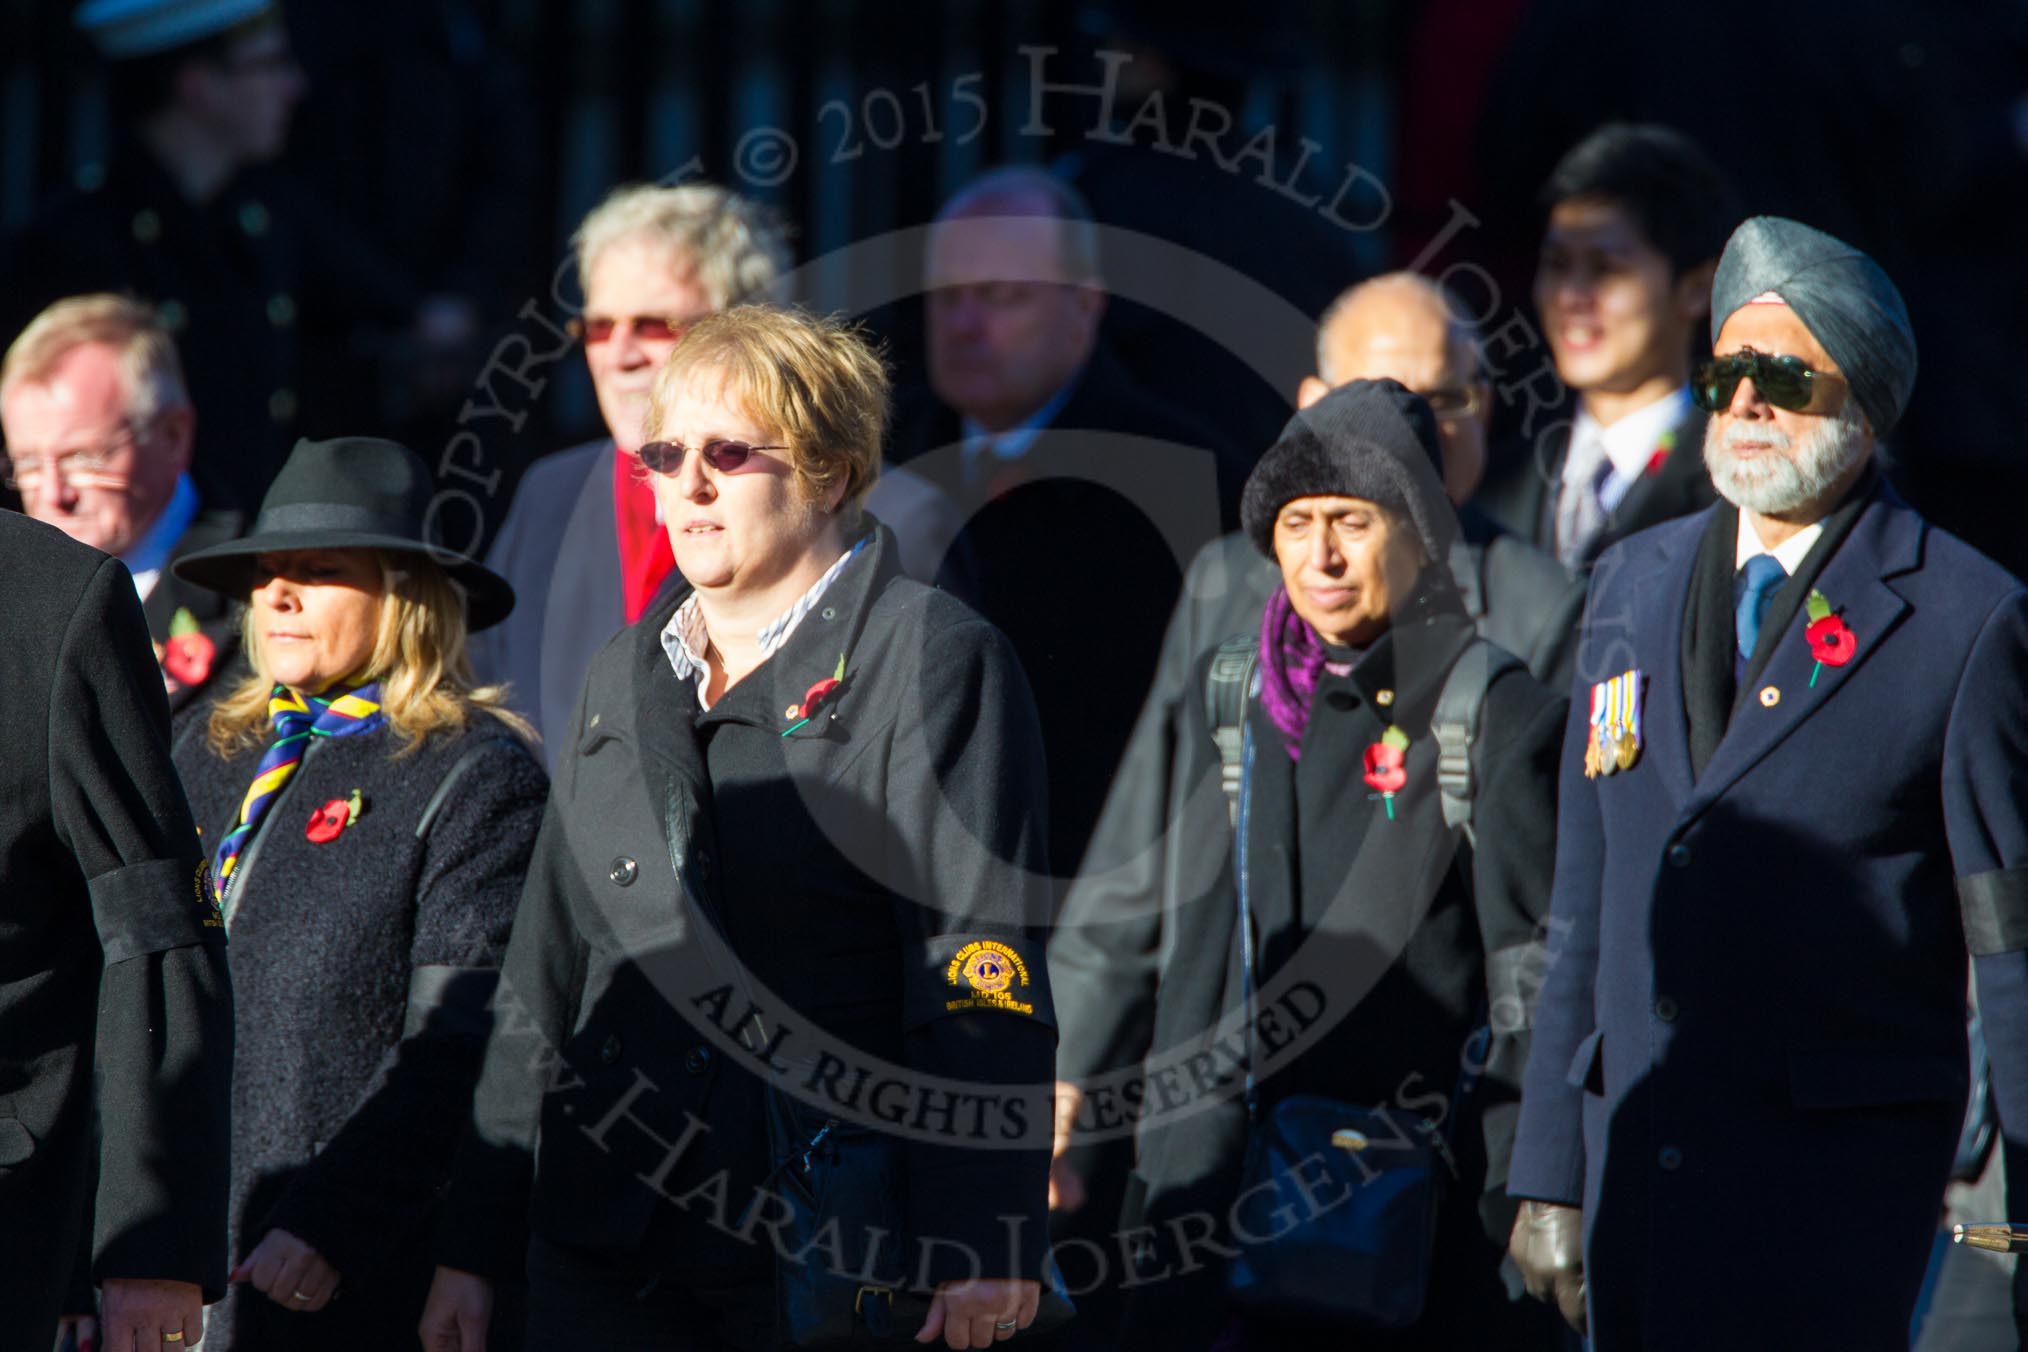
(150, 553)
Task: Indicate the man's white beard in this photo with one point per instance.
(1774, 481)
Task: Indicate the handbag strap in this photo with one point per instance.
(1242, 819)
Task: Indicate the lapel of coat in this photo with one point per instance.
(1670, 491)
(825, 640)
(1539, 489)
(584, 603)
(172, 593)
(1885, 542)
(1655, 587)
(672, 766)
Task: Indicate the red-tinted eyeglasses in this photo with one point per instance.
(666, 457)
(595, 329)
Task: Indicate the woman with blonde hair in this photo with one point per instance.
(782, 1052)
(368, 814)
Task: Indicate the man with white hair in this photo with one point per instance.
(99, 430)
(582, 544)
(1790, 807)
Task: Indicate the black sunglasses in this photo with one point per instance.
(666, 457)
(1785, 382)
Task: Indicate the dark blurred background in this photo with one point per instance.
(463, 139)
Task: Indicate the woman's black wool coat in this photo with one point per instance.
(362, 967)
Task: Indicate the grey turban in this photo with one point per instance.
(1841, 296)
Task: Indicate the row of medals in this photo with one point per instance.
(1609, 750)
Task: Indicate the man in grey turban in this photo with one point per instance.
(1788, 812)
(1840, 295)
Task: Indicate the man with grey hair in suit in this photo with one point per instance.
(582, 544)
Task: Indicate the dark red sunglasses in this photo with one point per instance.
(666, 457)
(595, 329)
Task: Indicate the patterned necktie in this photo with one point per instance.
(1580, 508)
(1762, 574)
(297, 720)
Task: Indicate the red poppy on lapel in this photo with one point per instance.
(1664, 446)
(188, 657)
(1384, 769)
(1831, 640)
(814, 696)
(330, 820)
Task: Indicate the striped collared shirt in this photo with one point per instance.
(684, 639)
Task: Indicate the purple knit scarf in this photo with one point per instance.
(1291, 660)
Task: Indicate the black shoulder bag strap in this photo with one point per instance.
(1228, 685)
(1455, 726)
(451, 778)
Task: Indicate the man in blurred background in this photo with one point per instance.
(1081, 494)
(1636, 216)
(98, 431)
(253, 279)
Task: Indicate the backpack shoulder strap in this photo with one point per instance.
(451, 777)
(1455, 725)
(1227, 687)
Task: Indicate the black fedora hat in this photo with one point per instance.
(348, 493)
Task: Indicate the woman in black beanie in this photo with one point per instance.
(1369, 958)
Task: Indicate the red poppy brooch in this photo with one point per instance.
(1385, 768)
(187, 657)
(1832, 641)
(1664, 446)
(328, 821)
(813, 697)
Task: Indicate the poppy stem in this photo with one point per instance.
(1813, 674)
(793, 726)
(1390, 805)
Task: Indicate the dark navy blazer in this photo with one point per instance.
(1749, 1060)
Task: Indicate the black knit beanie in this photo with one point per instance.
(1371, 439)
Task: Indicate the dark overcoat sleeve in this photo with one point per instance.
(1548, 1155)
(1985, 795)
(164, 1042)
(966, 791)
(1513, 865)
(485, 1225)
(383, 1171)
(1104, 958)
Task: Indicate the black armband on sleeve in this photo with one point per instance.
(960, 973)
(153, 907)
(1995, 905)
(451, 1001)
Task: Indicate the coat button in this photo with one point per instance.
(1670, 1158)
(1665, 1009)
(623, 871)
(609, 1050)
(698, 1059)
(1679, 856)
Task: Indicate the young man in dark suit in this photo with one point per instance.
(1790, 807)
(112, 966)
(1634, 219)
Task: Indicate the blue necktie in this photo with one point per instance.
(1762, 574)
